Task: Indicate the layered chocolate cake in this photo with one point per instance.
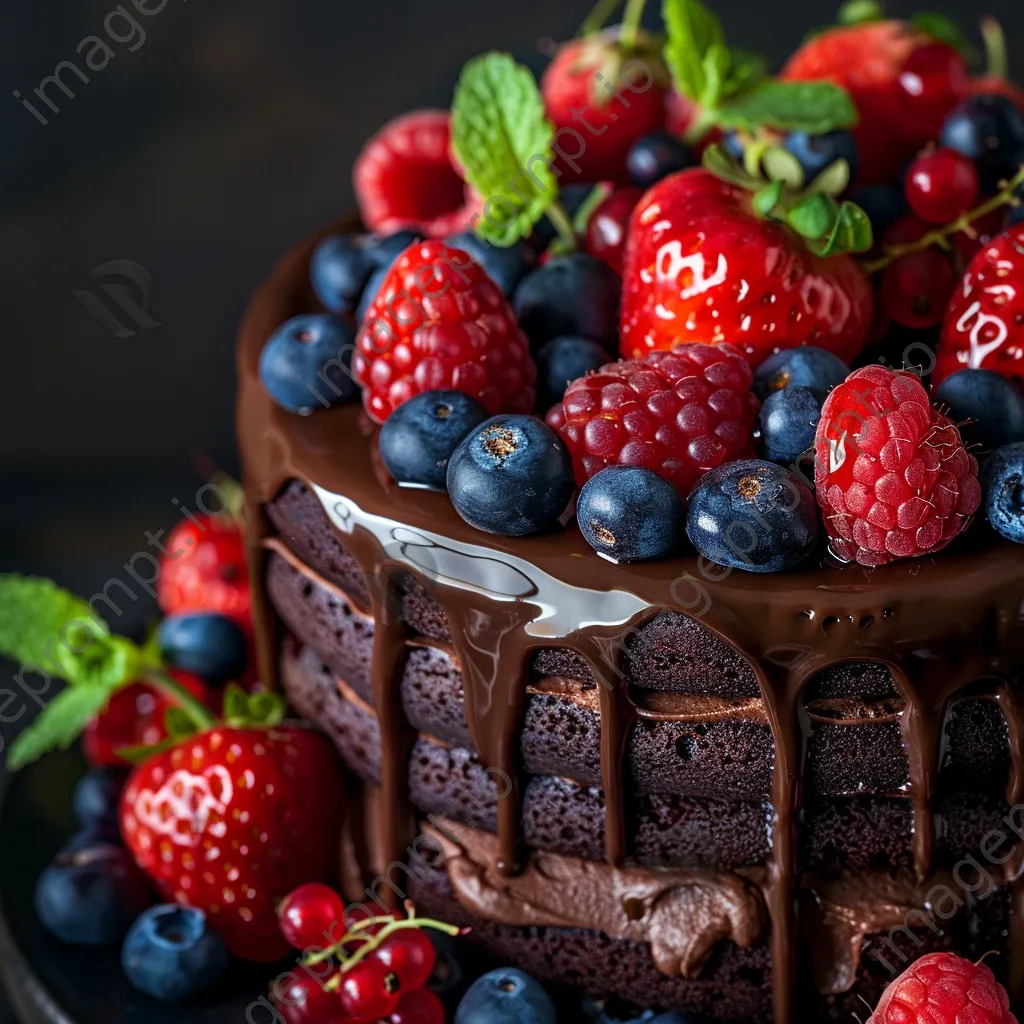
(754, 797)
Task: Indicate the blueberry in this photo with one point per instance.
(884, 205)
(305, 363)
(597, 1015)
(990, 130)
(993, 404)
(96, 799)
(449, 977)
(732, 143)
(815, 153)
(506, 267)
(370, 292)
(90, 896)
(655, 157)
(805, 366)
(752, 515)
(571, 295)
(506, 996)
(511, 476)
(572, 197)
(562, 361)
(87, 838)
(789, 419)
(1002, 483)
(171, 953)
(385, 249)
(210, 645)
(631, 514)
(419, 437)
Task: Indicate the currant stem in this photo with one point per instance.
(995, 47)
(631, 19)
(372, 942)
(202, 717)
(940, 236)
(597, 17)
(560, 219)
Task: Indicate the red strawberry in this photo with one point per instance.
(135, 718)
(893, 477)
(702, 266)
(232, 821)
(608, 227)
(984, 325)
(943, 988)
(404, 178)
(680, 114)
(902, 81)
(601, 99)
(438, 321)
(678, 413)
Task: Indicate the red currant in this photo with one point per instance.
(369, 990)
(933, 80)
(418, 1007)
(942, 185)
(608, 227)
(303, 999)
(410, 954)
(311, 915)
(916, 288)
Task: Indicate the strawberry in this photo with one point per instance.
(902, 81)
(702, 266)
(234, 819)
(984, 325)
(405, 178)
(943, 988)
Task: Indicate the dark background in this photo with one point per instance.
(228, 134)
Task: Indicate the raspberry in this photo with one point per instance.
(893, 477)
(404, 178)
(678, 413)
(943, 988)
(439, 322)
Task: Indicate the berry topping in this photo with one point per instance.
(752, 515)
(305, 364)
(172, 954)
(655, 157)
(941, 185)
(311, 915)
(410, 954)
(630, 514)
(506, 267)
(369, 990)
(210, 645)
(301, 998)
(439, 322)
(404, 178)
(893, 477)
(789, 420)
(807, 367)
(511, 476)
(987, 408)
(678, 413)
(419, 437)
(943, 988)
(506, 996)
(560, 362)
(608, 227)
(1003, 481)
(917, 287)
(990, 131)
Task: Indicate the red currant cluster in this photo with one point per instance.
(375, 972)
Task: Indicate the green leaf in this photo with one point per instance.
(58, 725)
(814, 216)
(767, 198)
(851, 233)
(747, 68)
(813, 107)
(722, 166)
(780, 165)
(236, 704)
(137, 755)
(598, 194)
(692, 32)
(945, 30)
(242, 710)
(503, 141)
(178, 724)
(859, 12)
(833, 181)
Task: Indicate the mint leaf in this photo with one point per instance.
(503, 141)
(945, 30)
(747, 68)
(859, 12)
(692, 32)
(813, 107)
(58, 725)
(851, 233)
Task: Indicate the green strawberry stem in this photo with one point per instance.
(995, 47)
(201, 716)
(631, 18)
(598, 16)
(940, 236)
(560, 220)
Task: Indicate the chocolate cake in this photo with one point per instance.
(750, 797)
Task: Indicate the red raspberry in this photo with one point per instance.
(943, 988)
(678, 413)
(438, 321)
(893, 477)
(405, 178)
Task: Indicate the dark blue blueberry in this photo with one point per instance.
(505, 267)
(595, 1014)
(305, 363)
(370, 292)
(385, 249)
(572, 197)
(815, 153)
(449, 978)
(884, 205)
(571, 295)
(806, 366)
(990, 130)
(1002, 484)
(789, 419)
(419, 437)
(752, 515)
(210, 645)
(171, 953)
(506, 996)
(631, 514)
(993, 405)
(87, 838)
(732, 143)
(343, 264)
(655, 157)
(90, 896)
(96, 799)
(562, 361)
(511, 476)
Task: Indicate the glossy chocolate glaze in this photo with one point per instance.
(939, 624)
